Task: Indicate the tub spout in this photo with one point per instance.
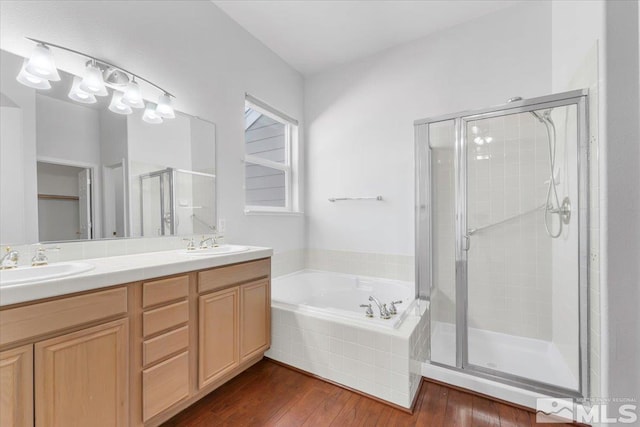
(384, 312)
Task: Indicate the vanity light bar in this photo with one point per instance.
(40, 69)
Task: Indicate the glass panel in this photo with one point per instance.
(265, 186)
(264, 137)
(522, 270)
(443, 285)
(151, 206)
(195, 203)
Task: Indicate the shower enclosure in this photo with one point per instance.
(501, 246)
(177, 202)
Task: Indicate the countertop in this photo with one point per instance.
(116, 270)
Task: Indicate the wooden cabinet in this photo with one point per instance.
(218, 338)
(81, 378)
(16, 387)
(234, 323)
(132, 355)
(255, 322)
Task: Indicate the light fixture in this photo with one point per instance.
(117, 106)
(30, 80)
(41, 64)
(132, 95)
(79, 95)
(164, 108)
(39, 69)
(150, 115)
(92, 81)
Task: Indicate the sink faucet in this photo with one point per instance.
(40, 258)
(10, 259)
(204, 240)
(384, 313)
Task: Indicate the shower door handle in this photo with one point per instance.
(466, 242)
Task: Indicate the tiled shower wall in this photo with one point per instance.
(509, 263)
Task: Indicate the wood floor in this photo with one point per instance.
(269, 394)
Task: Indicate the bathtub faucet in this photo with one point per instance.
(384, 313)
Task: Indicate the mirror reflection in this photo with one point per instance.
(71, 170)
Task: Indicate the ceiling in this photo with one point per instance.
(313, 35)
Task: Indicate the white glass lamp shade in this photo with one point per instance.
(164, 108)
(92, 82)
(79, 95)
(30, 80)
(132, 95)
(150, 115)
(41, 64)
(117, 106)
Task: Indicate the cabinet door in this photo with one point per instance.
(255, 318)
(16, 387)
(218, 335)
(81, 379)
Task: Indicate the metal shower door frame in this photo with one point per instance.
(578, 98)
(170, 173)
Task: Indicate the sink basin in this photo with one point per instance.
(46, 272)
(217, 250)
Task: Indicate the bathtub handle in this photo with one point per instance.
(393, 309)
(369, 311)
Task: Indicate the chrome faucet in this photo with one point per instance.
(40, 258)
(393, 310)
(384, 312)
(369, 311)
(191, 246)
(203, 241)
(10, 259)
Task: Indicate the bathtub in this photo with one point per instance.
(318, 326)
(340, 296)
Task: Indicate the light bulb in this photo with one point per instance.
(150, 115)
(78, 94)
(41, 64)
(30, 80)
(164, 108)
(132, 95)
(92, 82)
(117, 106)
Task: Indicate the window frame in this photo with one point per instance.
(289, 166)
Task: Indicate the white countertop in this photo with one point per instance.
(116, 270)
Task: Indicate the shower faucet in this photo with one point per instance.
(384, 312)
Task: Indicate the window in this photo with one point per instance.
(270, 159)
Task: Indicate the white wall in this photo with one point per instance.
(365, 110)
(199, 54)
(621, 209)
(23, 177)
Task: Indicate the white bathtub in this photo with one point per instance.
(318, 326)
(340, 295)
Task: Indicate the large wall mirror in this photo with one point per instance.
(72, 171)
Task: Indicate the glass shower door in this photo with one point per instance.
(521, 246)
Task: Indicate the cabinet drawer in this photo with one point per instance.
(218, 278)
(160, 347)
(42, 318)
(164, 290)
(165, 385)
(163, 318)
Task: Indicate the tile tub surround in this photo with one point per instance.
(115, 270)
(382, 363)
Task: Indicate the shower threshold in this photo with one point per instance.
(529, 358)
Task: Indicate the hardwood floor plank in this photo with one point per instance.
(459, 409)
(433, 407)
(329, 409)
(269, 394)
(485, 413)
(513, 417)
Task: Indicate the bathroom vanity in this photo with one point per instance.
(125, 345)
